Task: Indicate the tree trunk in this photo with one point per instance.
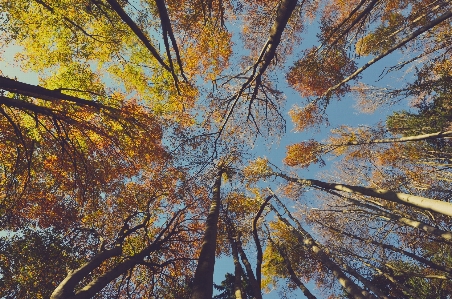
(436, 135)
(358, 276)
(399, 250)
(249, 272)
(402, 219)
(258, 243)
(399, 45)
(425, 203)
(237, 271)
(66, 288)
(235, 258)
(293, 275)
(285, 10)
(43, 93)
(138, 32)
(406, 221)
(307, 241)
(203, 281)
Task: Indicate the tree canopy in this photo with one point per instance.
(137, 160)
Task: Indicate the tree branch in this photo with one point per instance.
(138, 32)
(44, 93)
(404, 41)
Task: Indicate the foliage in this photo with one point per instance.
(32, 263)
(314, 74)
(107, 164)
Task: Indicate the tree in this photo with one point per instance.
(203, 280)
(227, 288)
(23, 255)
(131, 165)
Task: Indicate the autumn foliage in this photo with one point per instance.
(317, 71)
(131, 153)
(303, 154)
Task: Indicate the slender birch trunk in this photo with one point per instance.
(407, 221)
(399, 250)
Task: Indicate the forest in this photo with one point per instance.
(303, 145)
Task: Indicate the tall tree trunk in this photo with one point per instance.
(399, 217)
(368, 284)
(237, 271)
(396, 249)
(424, 203)
(203, 281)
(66, 288)
(293, 275)
(138, 32)
(406, 291)
(258, 243)
(43, 93)
(267, 54)
(407, 221)
(430, 136)
(309, 243)
(235, 258)
(396, 46)
(249, 272)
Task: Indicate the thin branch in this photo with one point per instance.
(404, 41)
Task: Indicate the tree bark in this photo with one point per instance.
(238, 271)
(285, 10)
(43, 93)
(138, 32)
(401, 219)
(406, 221)
(203, 281)
(425, 203)
(309, 243)
(293, 275)
(401, 139)
(258, 243)
(66, 288)
(168, 32)
(351, 288)
(249, 272)
(268, 52)
(399, 250)
(389, 277)
(23, 105)
(358, 276)
(361, 15)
